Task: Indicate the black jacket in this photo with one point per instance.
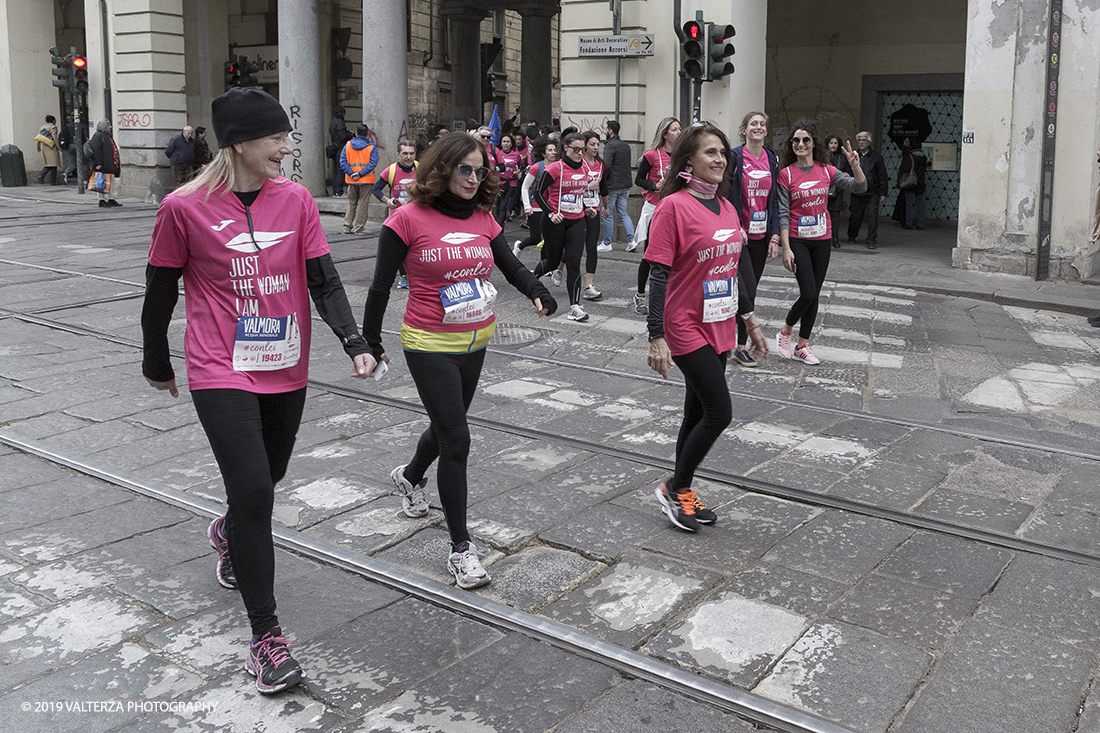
(181, 151)
(875, 170)
(339, 134)
(839, 161)
(616, 163)
(105, 154)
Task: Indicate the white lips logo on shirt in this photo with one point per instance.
(759, 174)
(579, 176)
(243, 242)
(809, 184)
(457, 237)
(722, 235)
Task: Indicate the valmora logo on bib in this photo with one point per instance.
(722, 235)
(256, 241)
(808, 185)
(458, 237)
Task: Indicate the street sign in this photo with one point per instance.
(641, 45)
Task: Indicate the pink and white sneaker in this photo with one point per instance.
(803, 354)
(783, 344)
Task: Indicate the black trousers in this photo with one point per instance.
(811, 262)
(446, 383)
(564, 241)
(592, 226)
(757, 250)
(252, 436)
(864, 207)
(707, 411)
(534, 230)
(509, 192)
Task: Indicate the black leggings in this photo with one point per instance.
(534, 230)
(509, 190)
(592, 225)
(811, 262)
(707, 411)
(252, 436)
(643, 269)
(563, 241)
(446, 383)
(757, 250)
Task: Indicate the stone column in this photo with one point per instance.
(536, 68)
(385, 82)
(206, 38)
(466, 64)
(300, 91)
(27, 30)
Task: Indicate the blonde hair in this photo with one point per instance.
(662, 129)
(217, 173)
(745, 124)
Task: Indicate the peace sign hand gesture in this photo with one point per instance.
(851, 155)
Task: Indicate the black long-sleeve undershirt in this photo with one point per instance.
(162, 294)
(392, 251)
(642, 177)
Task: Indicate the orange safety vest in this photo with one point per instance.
(358, 160)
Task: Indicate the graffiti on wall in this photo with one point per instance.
(295, 144)
(134, 120)
(584, 124)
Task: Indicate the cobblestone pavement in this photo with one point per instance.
(906, 536)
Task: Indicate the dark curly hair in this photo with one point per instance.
(687, 145)
(433, 176)
(787, 156)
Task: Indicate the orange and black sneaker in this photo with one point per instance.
(680, 507)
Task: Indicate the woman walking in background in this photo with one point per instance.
(651, 175)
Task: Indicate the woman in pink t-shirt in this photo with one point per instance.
(596, 195)
(652, 172)
(249, 247)
(753, 173)
(697, 293)
(450, 244)
(805, 225)
(506, 163)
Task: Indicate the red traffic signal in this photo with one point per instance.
(693, 49)
(80, 72)
(693, 29)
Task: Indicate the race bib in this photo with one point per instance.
(266, 344)
(812, 227)
(758, 222)
(592, 199)
(719, 300)
(469, 301)
(570, 203)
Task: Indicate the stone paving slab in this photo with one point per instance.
(996, 679)
(830, 661)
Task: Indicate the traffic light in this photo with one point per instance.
(63, 70)
(718, 50)
(247, 72)
(80, 74)
(232, 74)
(693, 48)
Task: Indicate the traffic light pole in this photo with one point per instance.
(79, 142)
(617, 29)
(696, 100)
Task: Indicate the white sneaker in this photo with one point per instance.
(590, 293)
(576, 313)
(515, 247)
(631, 246)
(641, 305)
(555, 277)
(414, 502)
(604, 248)
(466, 567)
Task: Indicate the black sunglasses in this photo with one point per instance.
(801, 140)
(465, 171)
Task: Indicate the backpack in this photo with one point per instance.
(89, 151)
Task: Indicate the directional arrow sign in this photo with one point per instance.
(640, 45)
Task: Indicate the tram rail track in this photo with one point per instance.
(790, 493)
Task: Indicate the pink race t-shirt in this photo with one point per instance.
(809, 196)
(566, 192)
(659, 162)
(247, 304)
(511, 163)
(445, 252)
(702, 249)
(595, 173)
(756, 184)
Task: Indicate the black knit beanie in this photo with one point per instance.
(246, 113)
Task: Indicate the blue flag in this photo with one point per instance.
(494, 125)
